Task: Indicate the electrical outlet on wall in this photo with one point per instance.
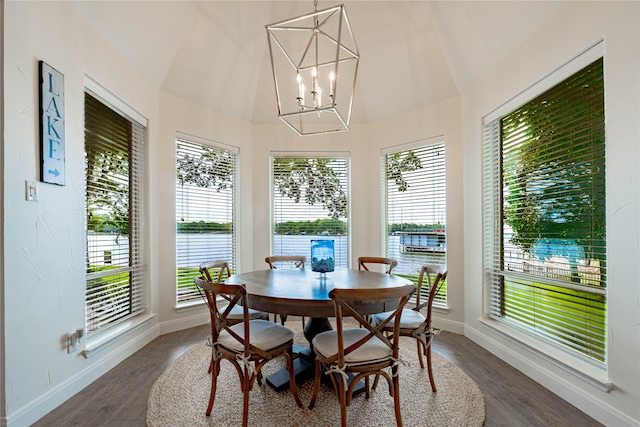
(79, 338)
(72, 344)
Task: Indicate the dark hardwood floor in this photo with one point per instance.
(119, 398)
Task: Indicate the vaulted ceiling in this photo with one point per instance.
(413, 53)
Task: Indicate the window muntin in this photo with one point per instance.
(544, 216)
(310, 201)
(114, 207)
(205, 211)
(415, 204)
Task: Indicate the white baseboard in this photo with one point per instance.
(59, 394)
(571, 392)
(448, 325)
(184, 323)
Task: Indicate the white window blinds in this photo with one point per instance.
(544, 215)
(205, 211)
(415, 203)
(310, 202)
(114, 170)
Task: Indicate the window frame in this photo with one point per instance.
(137, 236)
(343, 248)
(585, 367)
(210, 250)
(412, 271)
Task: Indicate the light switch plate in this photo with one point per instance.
(31, 188)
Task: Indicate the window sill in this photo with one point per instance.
(104, 339)
(440, 307)
(576, 366)
(189, 306)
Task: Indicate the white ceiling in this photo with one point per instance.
(413, 53)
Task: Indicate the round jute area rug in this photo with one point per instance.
(180, 396)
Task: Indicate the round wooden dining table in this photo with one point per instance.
(302, 292)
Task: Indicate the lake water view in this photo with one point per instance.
(194, 248)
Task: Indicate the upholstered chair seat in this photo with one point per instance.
(373, 350)
(264, 334)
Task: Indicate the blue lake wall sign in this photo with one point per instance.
(52, 168)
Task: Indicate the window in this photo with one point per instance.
(544, 213)
(205, 211)
(415, 203)
(310, 201)
(114, 170)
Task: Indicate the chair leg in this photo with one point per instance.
(396, 399)
(214, 381)
(245, 400)
(375, 381)
(316, 384)
(292, 377)
(283, 318)
(420, 350)
(342, 393)
(367, 390)
(433, 382)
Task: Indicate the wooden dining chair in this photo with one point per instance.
(363, 351)
(364, 263)
(248, 345)
(416, 325)
(285, 261)
(217, 272)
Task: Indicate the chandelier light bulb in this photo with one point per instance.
(314, 73)
(332, 77)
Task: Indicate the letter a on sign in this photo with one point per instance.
(51, 125)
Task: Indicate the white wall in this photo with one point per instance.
(439, 120)
(43, 282)
(2, 370)
(177, 115)
(354, 144)
(361, 144)
(572, 30)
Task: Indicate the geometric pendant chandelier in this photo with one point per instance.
(314, 59)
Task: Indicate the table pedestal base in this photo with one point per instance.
(302, 369)
(304, 359)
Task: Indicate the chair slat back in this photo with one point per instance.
(292, 261)
(433, 291)
(363, 262)
(357, 303)
(215, 271)
(235, 294)
(428, 271)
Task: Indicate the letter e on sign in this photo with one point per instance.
(51, 125)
